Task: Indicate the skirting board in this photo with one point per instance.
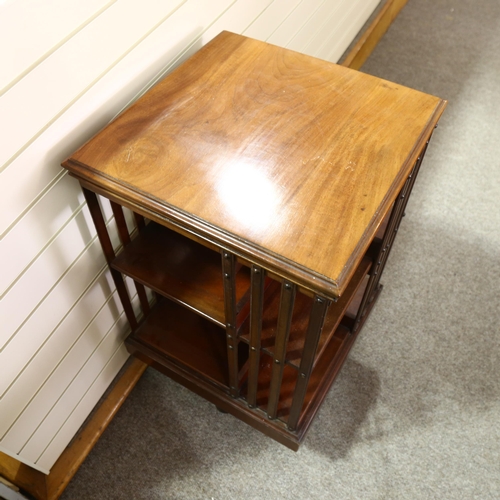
(373, 34)
(51, 486)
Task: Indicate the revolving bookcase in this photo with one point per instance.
(265, 188)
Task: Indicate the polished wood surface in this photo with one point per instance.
(252, 160)
(267, 152)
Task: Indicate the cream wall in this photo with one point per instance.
(66, 68)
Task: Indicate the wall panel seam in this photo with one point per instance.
(44, 191)
(86, 89)
(68, 37)
(75, 376)
(172, 65)
(85, 248)
(44, 247)
(120, 318)
(98, 276)
(305, 22)
(284, 19)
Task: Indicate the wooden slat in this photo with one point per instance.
(109, 254)
(228, 269)
(300, 318)
(256, 306)
(290, 375)
(125, 240)
(287, 299)
(316, 320)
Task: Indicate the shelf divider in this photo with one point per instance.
(182, 270)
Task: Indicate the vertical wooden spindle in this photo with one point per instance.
(256, 305)
(125, 239)
(314, 328)
(285, 312)
(109, 253)
(229, 278)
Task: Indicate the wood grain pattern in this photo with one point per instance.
(261, 147)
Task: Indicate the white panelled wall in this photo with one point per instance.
(66, 68)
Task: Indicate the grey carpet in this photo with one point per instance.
(415, 412)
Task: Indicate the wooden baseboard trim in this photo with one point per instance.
(51, 486)
(373, 34)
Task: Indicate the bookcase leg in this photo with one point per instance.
(109, 253)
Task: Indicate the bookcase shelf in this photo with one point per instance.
(180, 269)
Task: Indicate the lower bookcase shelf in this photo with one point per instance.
(177, 335)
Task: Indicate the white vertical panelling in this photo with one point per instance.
(45, 272)
(352, 23)
(40, 161)
(71, 16)
(306, 33)
(77, 416)
(32, 375)
(42, 223)
(285, 32)
(326, 42)
(87, 345)
(73, 394)
(58, 348)
(44, 93)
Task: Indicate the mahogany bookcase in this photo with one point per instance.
(267, 188)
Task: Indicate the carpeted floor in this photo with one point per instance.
(415, 412)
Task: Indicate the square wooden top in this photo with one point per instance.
(270, 153)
